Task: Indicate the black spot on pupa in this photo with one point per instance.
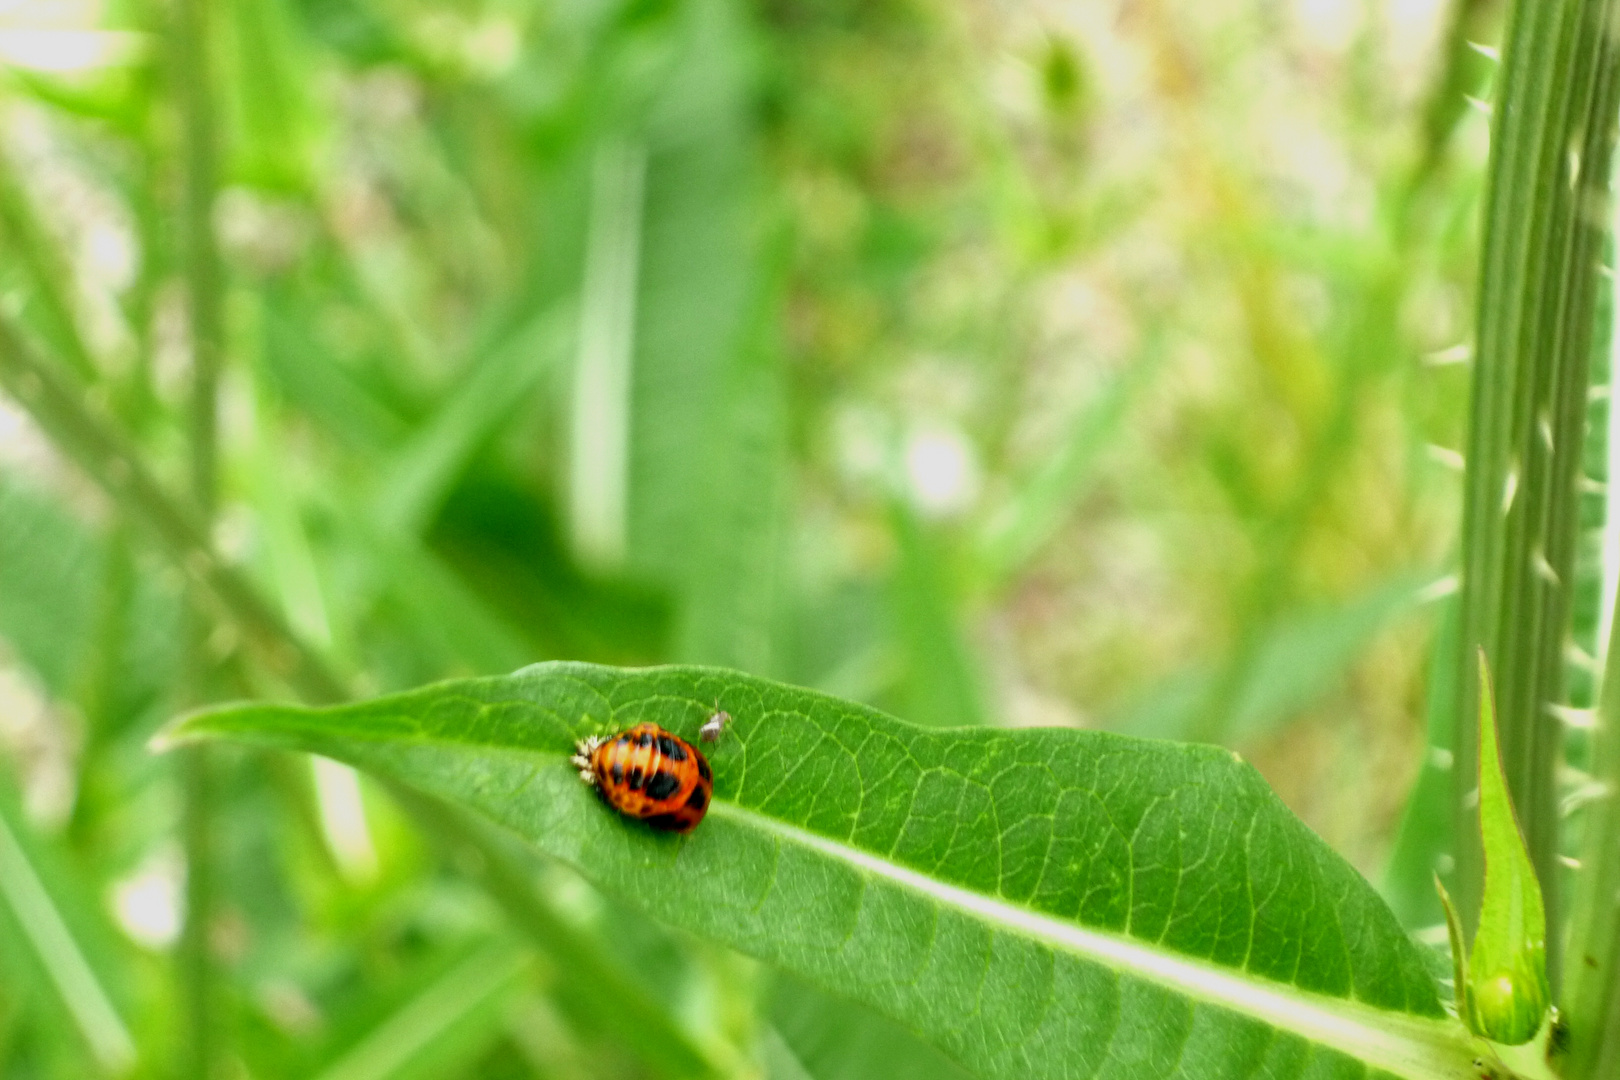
(670, 748)
(618, 772)
(635, 778)
(624, 740)
(667, 822)
(661, 785)
(644, 739)
(703, 770)
(697, 800)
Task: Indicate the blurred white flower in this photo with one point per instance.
(942, 471)
(148, 902)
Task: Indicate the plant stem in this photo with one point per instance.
(47, 277)
(1552, 139)
(193, 79)
(1592, 1001)
(109, 459)
(200, 254)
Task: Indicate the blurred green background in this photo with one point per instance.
(1091, 363)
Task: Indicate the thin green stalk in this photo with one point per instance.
(200, 255)
(193, 80)
(1552, 139)
(111, 461)
(195, 962)
(48, 279)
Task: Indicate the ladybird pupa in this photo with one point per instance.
(648, 774)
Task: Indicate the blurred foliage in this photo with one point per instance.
(1081, 363)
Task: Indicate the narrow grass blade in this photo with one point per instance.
(1018, 530)
(506, 375)
(61, 956)
(445, 1024)
(600, 424)
(940, 686)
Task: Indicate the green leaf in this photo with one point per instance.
(706, 429)
(1507, 971)
(598, 994)
(1042, 902)
(268, 85)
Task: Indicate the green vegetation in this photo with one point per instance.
(897, 376)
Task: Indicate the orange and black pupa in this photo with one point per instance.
(648, 774)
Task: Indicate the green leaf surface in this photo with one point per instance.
(600, 996)
(1043, 902)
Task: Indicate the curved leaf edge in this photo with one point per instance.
(1407, 1045)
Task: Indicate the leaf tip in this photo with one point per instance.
(187, 728)
(171, 735)
(1459, 952)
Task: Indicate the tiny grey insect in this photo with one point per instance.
(714, 726)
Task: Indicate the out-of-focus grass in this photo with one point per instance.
(1078, 363)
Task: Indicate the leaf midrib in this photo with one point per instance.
(1402, 1044)
(1397, 1043)
(1405, 1045)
